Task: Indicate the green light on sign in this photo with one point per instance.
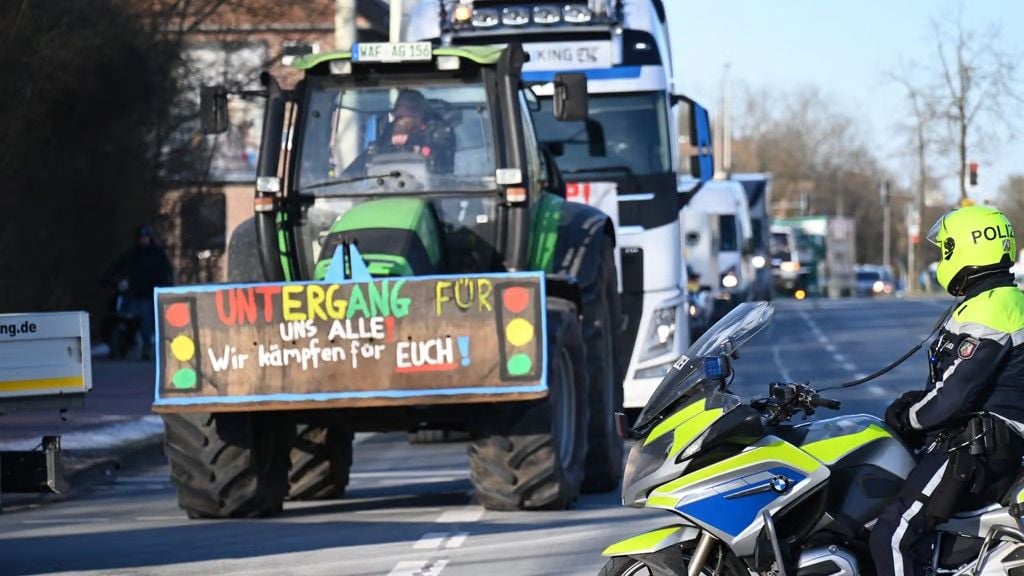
(519, 364)
(184, 378)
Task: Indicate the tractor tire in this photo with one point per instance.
(601, 322)
(321, 458)
(228, 465)
(530, 455)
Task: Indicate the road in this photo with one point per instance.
(410, 509)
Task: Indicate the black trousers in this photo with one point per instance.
(942, 483)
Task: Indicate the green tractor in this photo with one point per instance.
(412, 264)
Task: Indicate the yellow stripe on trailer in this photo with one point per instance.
(42, 384)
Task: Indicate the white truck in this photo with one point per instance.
(623, 159)
(723, 258)
(45, 364)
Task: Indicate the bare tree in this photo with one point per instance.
(977, 87)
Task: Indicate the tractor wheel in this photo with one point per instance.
(321, 458)
(601, 323)
(228, 465)
(529, 455)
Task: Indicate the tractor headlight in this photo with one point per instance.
(463, 13)
(878, 286)
(729, 280)
(577, 14)
(661, 333)
(758, 261)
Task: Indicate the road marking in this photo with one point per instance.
(441, 540)
(877, 390)
(778, 363)
(159, 518)
(830, 347)
(849, 367)
(441, 472)
(67, 521)
(430, 567)
(467, 514)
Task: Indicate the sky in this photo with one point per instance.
(844, 47)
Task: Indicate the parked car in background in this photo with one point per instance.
(874, 280)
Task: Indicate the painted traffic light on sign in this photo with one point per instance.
(518, 317)
(179, 345)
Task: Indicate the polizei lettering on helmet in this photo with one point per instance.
(992, 233)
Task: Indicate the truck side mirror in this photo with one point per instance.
(571, 102)
(213, 109)
(698, 148)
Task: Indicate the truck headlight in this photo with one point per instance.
(729, 280)
(661, 333)
(878, 286)
(758, 261)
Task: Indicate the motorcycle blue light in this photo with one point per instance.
(714, 367)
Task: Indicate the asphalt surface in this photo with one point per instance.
(410, 509)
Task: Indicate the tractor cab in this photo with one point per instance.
(423, 157)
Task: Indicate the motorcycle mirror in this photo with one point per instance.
(622, 427)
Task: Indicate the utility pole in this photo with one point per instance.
(344, 24)
(886, 218)
(395, 21)
(727, 121)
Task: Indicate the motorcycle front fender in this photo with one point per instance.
(653, 541)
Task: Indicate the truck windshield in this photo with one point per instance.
(624, 131)
(396, 138)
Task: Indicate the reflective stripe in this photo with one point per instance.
(979, 331)
(901, 530)
(914, 422)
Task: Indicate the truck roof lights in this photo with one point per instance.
(515, 16)
(546, 14)
(485, 17)
(577, 14)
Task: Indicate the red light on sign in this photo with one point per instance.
(515, 299)
(178, 315)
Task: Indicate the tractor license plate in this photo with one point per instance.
(388, 52)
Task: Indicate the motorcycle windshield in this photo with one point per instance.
(725, 337)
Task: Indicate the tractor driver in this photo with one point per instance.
(415, 127)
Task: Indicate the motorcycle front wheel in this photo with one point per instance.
(720, 562)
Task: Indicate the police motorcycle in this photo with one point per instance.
(755, 494)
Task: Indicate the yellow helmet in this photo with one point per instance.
(972, 240)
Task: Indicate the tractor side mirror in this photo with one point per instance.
(698, 145)
(213, 109)
(571, 101)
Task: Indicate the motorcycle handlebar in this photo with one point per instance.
(818, 401)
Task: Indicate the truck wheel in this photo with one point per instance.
(530, 455)
(228, 465)
(321, 458)
(601, 321)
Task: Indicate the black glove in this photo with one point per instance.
(897, 417)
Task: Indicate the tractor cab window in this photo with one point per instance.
(401, 138)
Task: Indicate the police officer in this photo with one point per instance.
(973, 407)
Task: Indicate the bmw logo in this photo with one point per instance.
(780, 484)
